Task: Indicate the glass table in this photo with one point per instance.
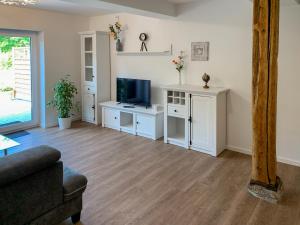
(6, 143)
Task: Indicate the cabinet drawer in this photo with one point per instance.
(89, 89)
(179, 111)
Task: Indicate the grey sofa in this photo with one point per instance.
(35, 189)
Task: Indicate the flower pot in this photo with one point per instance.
(64, 123)
(119, 46)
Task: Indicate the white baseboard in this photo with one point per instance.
(248, 152)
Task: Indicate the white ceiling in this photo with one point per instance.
(73, 6)
(68, 7)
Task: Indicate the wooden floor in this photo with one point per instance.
(137, 181)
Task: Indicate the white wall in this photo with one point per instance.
(229, 31)
(61, 44)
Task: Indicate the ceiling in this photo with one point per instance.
(100, 7)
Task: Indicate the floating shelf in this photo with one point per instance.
(164, 53)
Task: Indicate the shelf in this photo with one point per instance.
(163, 53)
(177, 138)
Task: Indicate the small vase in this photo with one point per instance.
(180, 78)
(119, 46)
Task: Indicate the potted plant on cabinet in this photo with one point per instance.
(63, 101)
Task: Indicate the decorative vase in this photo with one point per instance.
(64, 123)
(119, 46)
(180, 78)
(206, 78)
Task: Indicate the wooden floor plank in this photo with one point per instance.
(137, 181)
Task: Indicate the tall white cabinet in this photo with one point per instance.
(95, 73)
(195, 118)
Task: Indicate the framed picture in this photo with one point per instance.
(200, 51)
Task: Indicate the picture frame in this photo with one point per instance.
(200, 51)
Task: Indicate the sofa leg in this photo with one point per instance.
(76, 218)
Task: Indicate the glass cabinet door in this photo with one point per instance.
(89, 67)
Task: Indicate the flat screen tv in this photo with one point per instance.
(134, 91)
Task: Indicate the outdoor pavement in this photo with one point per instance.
(14, 111)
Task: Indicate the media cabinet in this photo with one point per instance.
(139, 121)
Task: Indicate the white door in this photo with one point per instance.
(18, 80)
(202, 122)
(88, 110)
(111, 118)
(145, 125)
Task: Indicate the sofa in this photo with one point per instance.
(35, 188)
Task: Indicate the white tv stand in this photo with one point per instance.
(140, 121)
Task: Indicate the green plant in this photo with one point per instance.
(63, 99)
(6, 89)
(8, 43)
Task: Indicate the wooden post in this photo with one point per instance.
(264, 182)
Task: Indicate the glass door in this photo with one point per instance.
(88, 45)
(18, 86)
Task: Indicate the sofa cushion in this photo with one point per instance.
(74, 184)
(19, 165)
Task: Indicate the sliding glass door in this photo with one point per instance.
(18, 80)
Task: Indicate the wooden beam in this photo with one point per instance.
(264, 94)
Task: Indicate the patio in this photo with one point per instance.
(14, 110)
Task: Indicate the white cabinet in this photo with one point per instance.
(95, 73)
(202, 122)
(145, 125)
(88, 112)
(111, 118)
(140, 121)
(196, 118)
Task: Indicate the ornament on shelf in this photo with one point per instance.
(206, 79)
(143, 38)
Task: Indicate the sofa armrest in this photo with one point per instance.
(74, 184)
(19, 165)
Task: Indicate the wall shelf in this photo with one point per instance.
(163, 53)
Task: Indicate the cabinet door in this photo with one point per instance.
(202, 122)
(88, 59)
(145, 126)
(111, 118)
(88, 107)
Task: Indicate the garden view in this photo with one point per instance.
(15, 80)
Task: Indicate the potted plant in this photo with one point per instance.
(63, 101)
(7, 93)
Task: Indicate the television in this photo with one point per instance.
(134, 91)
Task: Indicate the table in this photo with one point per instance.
(6, 143)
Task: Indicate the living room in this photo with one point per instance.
(211, 137)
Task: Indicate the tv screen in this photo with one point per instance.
(133, 91)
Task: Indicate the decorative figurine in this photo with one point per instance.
(206, 78)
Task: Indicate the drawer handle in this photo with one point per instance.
(88, 89)
(175, 110)
(116, 118)
(137, 122)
